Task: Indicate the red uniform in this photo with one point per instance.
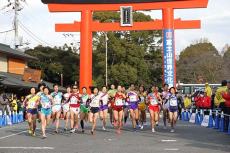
(74, 100)
(153, 99)
(206, 102)
(118, 102)
(226, 96)
(198, 101)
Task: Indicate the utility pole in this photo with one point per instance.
(106, 59)
(16, 7)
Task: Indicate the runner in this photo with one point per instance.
(111, 94)
(40, 87)
(133, 100)
(65, 107)
(46, 102)
(56, 108)
(173, 108)
(31, 104)
(104, 106)
(142, 106)
(74, 100)
(94, 108)
(118, 109)
(165, 104)
(126, 106)
(154, 100)
(84, 108)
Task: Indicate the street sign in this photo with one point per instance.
(126, 16)
(102, 1)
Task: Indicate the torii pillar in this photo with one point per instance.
(168, 24)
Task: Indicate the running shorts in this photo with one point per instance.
(33, 111)
(154, 108)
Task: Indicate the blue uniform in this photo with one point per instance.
(46, 102)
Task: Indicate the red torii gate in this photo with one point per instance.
(87, 26)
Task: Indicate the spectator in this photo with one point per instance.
(213, 98)
(219, 101)
(208, 90)
(187, 102)
(4, 102)
(206, 101)
(226, 96)
(14, 104)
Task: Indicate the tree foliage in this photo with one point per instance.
(56, 61)
(199, 63)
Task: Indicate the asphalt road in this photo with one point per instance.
(188, 138)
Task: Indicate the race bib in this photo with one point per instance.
(142, 99)
(57, 100)
(73, 100)
(154, 101)
(32, 104)
(173, 102)
(46, 105)
(133, 98)
(119, 102)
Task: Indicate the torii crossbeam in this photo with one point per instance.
(86, 26)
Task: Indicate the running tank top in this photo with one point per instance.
(46, 101)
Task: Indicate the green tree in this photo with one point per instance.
(56, 61)
(200, 60)
(133, 56)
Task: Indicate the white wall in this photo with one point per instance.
(3, 63)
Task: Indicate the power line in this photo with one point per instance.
(32, 34)
(7, 31)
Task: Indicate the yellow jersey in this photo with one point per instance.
(32, 101)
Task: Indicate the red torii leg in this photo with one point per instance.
(86, 50)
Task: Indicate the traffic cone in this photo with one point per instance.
(1, 118)
(229, 126)
(197, 118)
(182, 114)
(216, 120)
(221, 123)
(8, 119)
(190, 113)
(186, 115)
(210, 122)
(201, 116)
(4, 119)
(16, 118)
(20, 117)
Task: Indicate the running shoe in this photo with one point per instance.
(72, 130)
(172, 130)
(153, 130)
(103, 128)
(44, 136)
(34, 135)
(30, 131)
(142, 127)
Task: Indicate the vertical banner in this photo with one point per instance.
(169, 57)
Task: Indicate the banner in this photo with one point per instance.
(169, 57)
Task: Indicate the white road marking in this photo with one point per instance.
(12, 135)
(168, 140)
(171, 149)
(34, 148)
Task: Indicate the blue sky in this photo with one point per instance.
(36, 18)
